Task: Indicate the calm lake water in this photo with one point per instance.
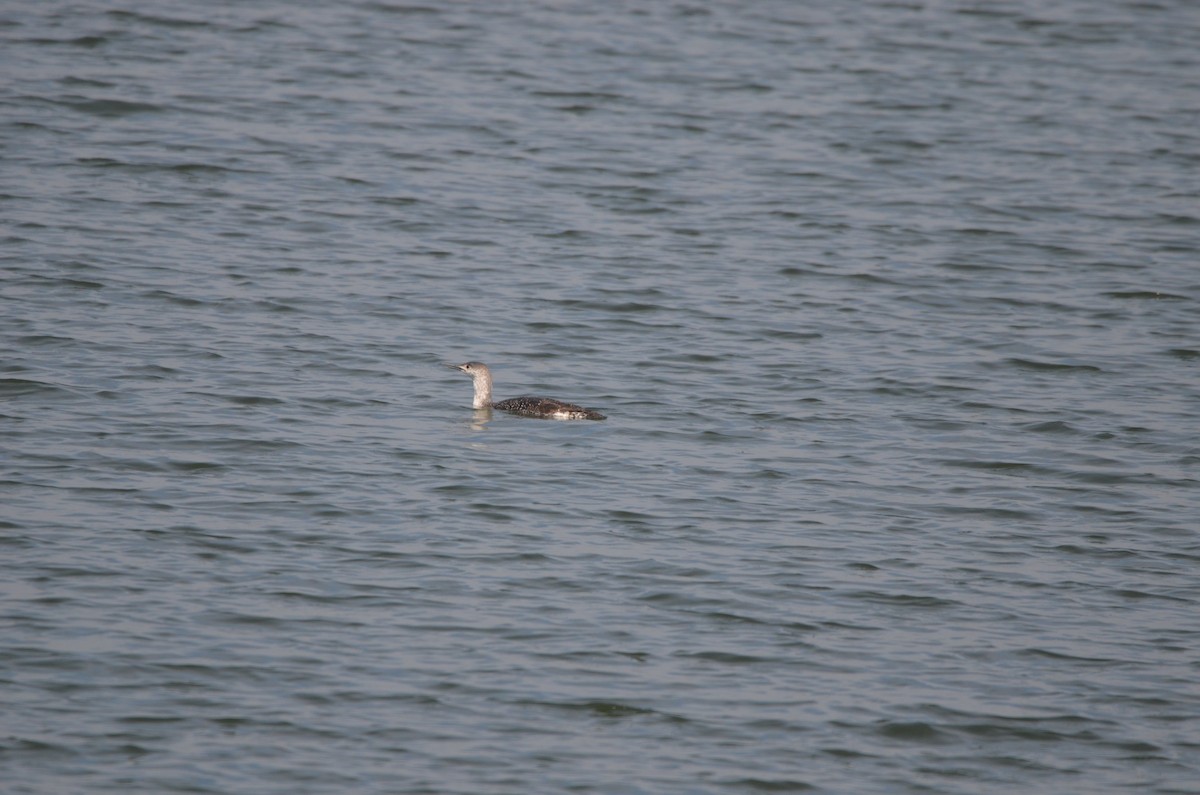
(892, 307)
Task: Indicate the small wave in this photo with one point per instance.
(111, 108)
(1052, 426)
(20, 387)
(1030, 364)
(1143, 295)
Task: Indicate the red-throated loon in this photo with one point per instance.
(546, 408)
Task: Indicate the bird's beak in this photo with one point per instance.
(455, 366)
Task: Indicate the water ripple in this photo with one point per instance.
(891, 308)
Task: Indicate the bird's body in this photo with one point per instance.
(526, 406)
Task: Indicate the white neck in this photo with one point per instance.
(483, 390)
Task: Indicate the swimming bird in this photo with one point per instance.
(545, 408)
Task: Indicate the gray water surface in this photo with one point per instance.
(892, 308)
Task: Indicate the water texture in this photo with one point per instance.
(892, 307)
